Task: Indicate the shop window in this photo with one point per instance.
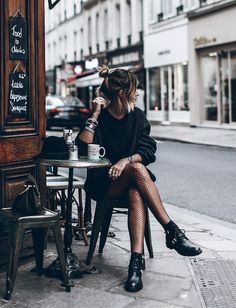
(155, 89)
(210, 86)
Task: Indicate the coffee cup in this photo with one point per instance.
(94, 151)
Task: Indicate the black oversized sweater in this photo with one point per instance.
(121, 138)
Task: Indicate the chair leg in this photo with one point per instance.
(87, 209)
(38, 235)
(80, 216)
(97, 223)
(61, 255)
(16, 235)
(105, 228)
(148, 237)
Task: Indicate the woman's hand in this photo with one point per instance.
(97, 105)
(116, 170)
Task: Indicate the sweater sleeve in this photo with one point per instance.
(146, 146)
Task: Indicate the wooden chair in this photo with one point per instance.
(17, 225)
(102, 218)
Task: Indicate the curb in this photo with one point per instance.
(161, 138)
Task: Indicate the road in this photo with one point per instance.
(199, 178)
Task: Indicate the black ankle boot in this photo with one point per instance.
(176, 239)
(134, 281)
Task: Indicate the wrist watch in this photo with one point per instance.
(131, 159)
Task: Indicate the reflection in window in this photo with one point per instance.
(180, 87)
(210, 88)
(155, 89)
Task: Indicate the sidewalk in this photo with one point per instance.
(170, 280)
(199, 135)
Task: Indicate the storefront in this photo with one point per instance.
(212, 64)
(166, 61)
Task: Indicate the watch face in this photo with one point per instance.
(131, 159)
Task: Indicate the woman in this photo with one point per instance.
(123, 130)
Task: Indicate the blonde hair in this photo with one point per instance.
(119, 79)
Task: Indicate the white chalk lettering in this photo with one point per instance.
(18, 108)
(17, 97)
(16, 33)
(17, 85)
(15, 49)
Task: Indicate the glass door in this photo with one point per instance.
(165, 89)
(233, 85)
(224, 63)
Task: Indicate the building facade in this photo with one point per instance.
(182, 55)
(189, 61)
(212, 63)
(81, 35)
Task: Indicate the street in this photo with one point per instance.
(200, 178)
(196, 177)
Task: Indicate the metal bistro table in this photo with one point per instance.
(74, 268)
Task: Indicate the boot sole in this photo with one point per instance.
(187, 254)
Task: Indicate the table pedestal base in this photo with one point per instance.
(74, 268)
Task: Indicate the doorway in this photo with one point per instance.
(218, 75)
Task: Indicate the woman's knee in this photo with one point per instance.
(138, 169)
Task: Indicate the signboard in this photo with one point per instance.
(18, 38)
(18, 94)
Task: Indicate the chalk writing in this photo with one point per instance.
(18, 38)
(18, 94)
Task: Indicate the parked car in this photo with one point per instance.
(53, 104)
(71, 114)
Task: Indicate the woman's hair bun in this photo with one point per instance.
(103, 71)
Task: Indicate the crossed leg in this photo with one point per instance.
(136, 182)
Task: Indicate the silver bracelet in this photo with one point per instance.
(92, 121)
(89, 129)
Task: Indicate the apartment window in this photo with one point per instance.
(168, 8)
(117, 24)
(128, 20)
(65, 15)
(97, 31)
(190, 4)
(152, 14)
(75, 44)
(89, 31)
(106, 26)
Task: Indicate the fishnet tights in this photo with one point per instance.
(136, 220)
(136, 181)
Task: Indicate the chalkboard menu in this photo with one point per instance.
(18, 94)
(18, 38)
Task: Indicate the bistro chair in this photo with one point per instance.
(17, 224)
(102, 218)
(57, 186)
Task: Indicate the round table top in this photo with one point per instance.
(82, 162)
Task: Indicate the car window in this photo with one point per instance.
(73, 101)
(54, 100)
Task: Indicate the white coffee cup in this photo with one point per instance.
(94, 151)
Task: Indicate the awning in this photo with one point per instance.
(91, 80)
(71, 79)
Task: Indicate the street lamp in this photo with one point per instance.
(52, 3)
